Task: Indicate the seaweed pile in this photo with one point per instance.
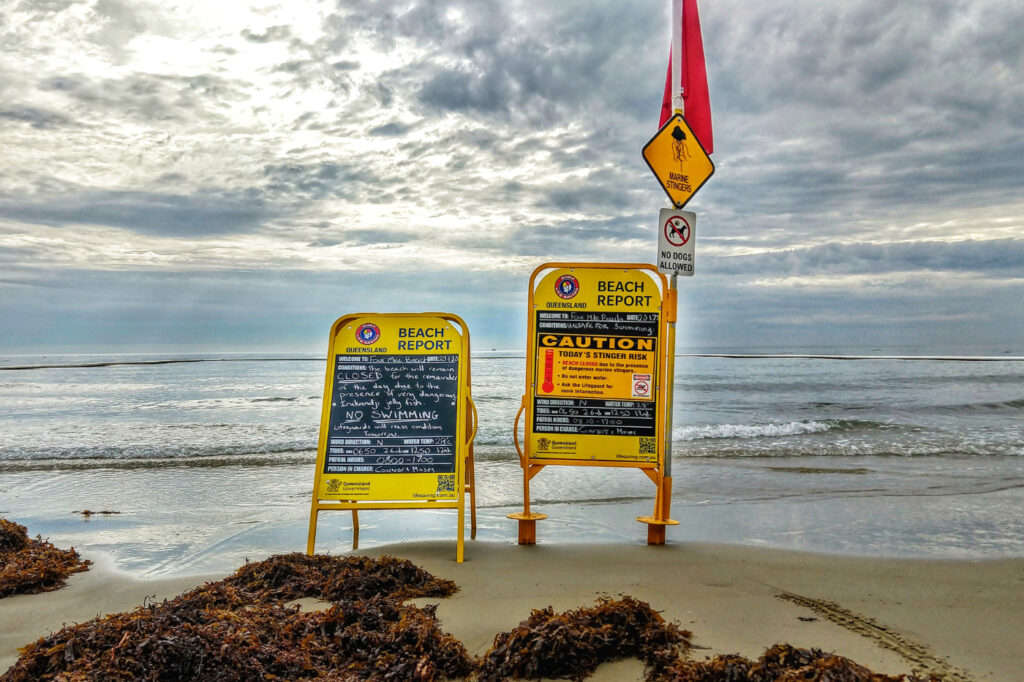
(572, 644)
(331, 578)
(243, 628)
(240, 628)
(29, 566)
(780, 663)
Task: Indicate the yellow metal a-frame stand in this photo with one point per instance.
(597, 314)
(398, 362)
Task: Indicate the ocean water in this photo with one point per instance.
(210, 459)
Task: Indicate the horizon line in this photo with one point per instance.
(518, 354)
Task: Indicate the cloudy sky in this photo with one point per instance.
(213, 176)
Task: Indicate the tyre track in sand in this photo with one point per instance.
(918, 655)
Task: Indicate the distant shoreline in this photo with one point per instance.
(805, 356)
(732, 356)
(116, 363)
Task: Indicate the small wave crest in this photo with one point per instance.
(208, 461)
(772, 430)
(146, 452)
(1003, 405)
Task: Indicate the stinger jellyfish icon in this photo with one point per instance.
(679, 150)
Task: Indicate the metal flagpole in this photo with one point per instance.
(677, 56)
(677, 104)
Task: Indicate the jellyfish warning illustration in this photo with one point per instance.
(678, 160)
(679, 149)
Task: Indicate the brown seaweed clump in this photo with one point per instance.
(572, 644)
(780, 663)
(240, 629)
(30, 566)
(291, 576)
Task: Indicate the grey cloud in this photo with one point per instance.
(584, 195)
(313, 181)
(461, 90)
(579, 239)
(54, 6)
(390, 129)
(537, 65)
(150, 97)
(117, 23)
(862, 60)
(926, 315)
(272, 34)
(82, 310)
(89, 309)
(146, 212)
(992, 258)
(37, 118)
(365, 236)
(309, 72)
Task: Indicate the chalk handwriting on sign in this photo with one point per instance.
(393, 413)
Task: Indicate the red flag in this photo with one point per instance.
(694, 79)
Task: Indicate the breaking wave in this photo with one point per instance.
(775, 430)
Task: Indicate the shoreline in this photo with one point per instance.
(883, 613)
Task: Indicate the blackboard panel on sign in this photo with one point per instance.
(393, 414)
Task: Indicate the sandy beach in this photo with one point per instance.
(959, 618)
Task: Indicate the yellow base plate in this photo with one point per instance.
(657, 522)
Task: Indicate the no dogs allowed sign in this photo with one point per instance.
(676, 239)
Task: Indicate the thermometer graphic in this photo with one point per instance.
(549, 371)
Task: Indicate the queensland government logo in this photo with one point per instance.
(567, 286)
(367, 333)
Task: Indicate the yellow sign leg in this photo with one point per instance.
(527, 519)
(311, 539)
(460, 550)
(661, 518)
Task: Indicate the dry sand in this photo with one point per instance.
(963, 619)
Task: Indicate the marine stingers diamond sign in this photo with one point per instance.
(678, 160)
(595, 343)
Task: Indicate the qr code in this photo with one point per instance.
(648, 446)
(446, 483)
(333, 486)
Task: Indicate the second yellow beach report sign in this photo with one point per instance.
(595, 348)
(594, 372)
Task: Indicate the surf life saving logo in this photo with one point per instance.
(367, 333)
(567, 286)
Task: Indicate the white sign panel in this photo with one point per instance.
(677, 233)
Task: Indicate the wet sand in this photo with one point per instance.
(958, 618)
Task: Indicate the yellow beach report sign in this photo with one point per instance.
(393, 418)
(394, 426)
(595, 336)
